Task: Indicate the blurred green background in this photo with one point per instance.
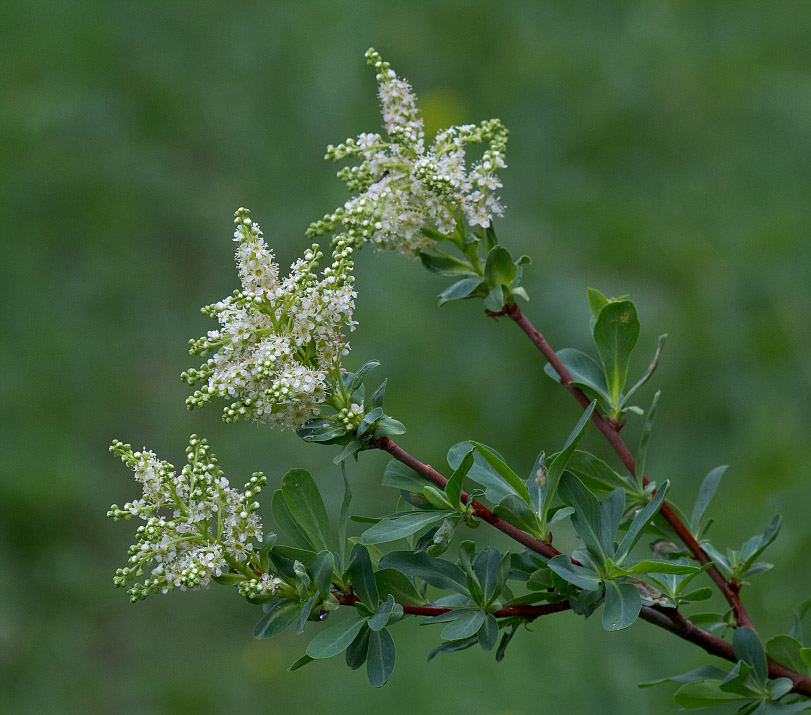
(659, 149)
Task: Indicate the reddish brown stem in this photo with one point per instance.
(479, 510)
(673, 621)
(530, 613)
(668, 618)
(729, 589)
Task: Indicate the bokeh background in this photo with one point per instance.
(657, 149)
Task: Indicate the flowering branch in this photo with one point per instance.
(276, 358)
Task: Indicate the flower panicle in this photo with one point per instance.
(402, 187)
(280, 340)
(196, 526)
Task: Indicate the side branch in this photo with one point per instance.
(530, 613)
(479, 509)
(730, 590)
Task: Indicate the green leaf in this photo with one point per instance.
(705, 672)
(615, 334)
(399, 476)
(586, 373)
(343, 516)
(307, 508)
(700, 594)
(387, 426)
(481, 472)
(436, 497)
(229, 579)
(720, 560)
(357, 378)
(349, 449)
(487, 566)
(305, 612)
(597, 301)
(306, 556)
(499, 268)
(748, 648)
(520, 291)
(380, 658)
(394, 583)
(368, 420)
(786, 650)
(622, 605)
(382, 614)
(702, 694)
(285, 520)
(647, 428)
(300, 663)
(505, 641)
(755, 546)
(643, 567)
(320, 571)
(779, 687)
(363, 577)
(442, 536)
(453, 489)
(805, 654)
(490, 239)
(358, 649)
(466, 625)
(324, 432)
(460, 289)
(392, 529)
(436, 235)
(516, 511)
(578, 575)
(446, 265)
(639, 523)
(611, 511)
(651, 368)
(488, 633)
(507, 474)
(561, 459)
(586, 519)
(452, 646)
(376, 398)
(437, 572)
(494, 300)
(335, 639)
(280, 614)
(705, 495)
(560, 514)
(595, 474)
(738, 681)
(467, 549)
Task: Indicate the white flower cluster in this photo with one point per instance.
(279, 339)
(402, 187)
(196, 525)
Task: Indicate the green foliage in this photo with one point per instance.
(737, 564)
(615, 331)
